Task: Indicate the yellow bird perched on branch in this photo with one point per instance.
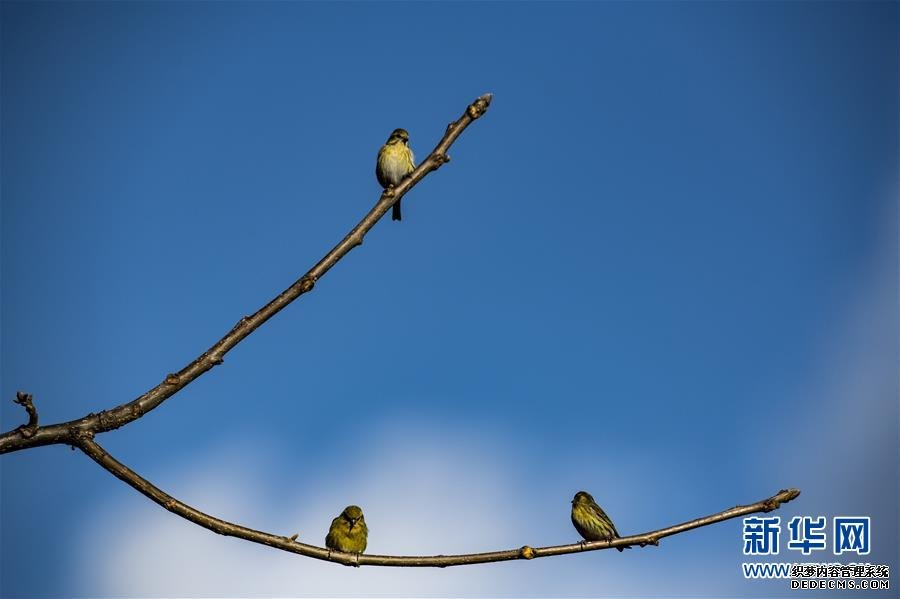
(348, 532)
(395, 161)
(591, 521)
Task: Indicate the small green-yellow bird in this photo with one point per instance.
(395, 161)
(348, 532)
(591, 521)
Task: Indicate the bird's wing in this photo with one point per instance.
(602, 515)
(378, 168)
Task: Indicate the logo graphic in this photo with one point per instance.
(807, 534)
(851, 535)
(761, 535)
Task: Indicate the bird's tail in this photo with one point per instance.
(395, 214)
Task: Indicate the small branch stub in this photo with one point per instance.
(306, 284)
(26, 401)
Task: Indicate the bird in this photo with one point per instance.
(591, 521)
(395, 161)
(348, 532)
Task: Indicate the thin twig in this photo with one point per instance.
(25, 400)
(123, 414)
(285, 543)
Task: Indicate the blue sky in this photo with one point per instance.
(663, 268)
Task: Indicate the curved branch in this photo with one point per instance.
(285, 543)
(107, 420)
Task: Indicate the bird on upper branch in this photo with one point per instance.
(395, 161)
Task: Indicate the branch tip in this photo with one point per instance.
(480, 105)
(790, 494)
(783, 496)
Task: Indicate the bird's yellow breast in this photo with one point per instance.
(395, 161)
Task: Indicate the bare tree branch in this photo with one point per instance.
(80, 433)
(288, 543)
(66, 432)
